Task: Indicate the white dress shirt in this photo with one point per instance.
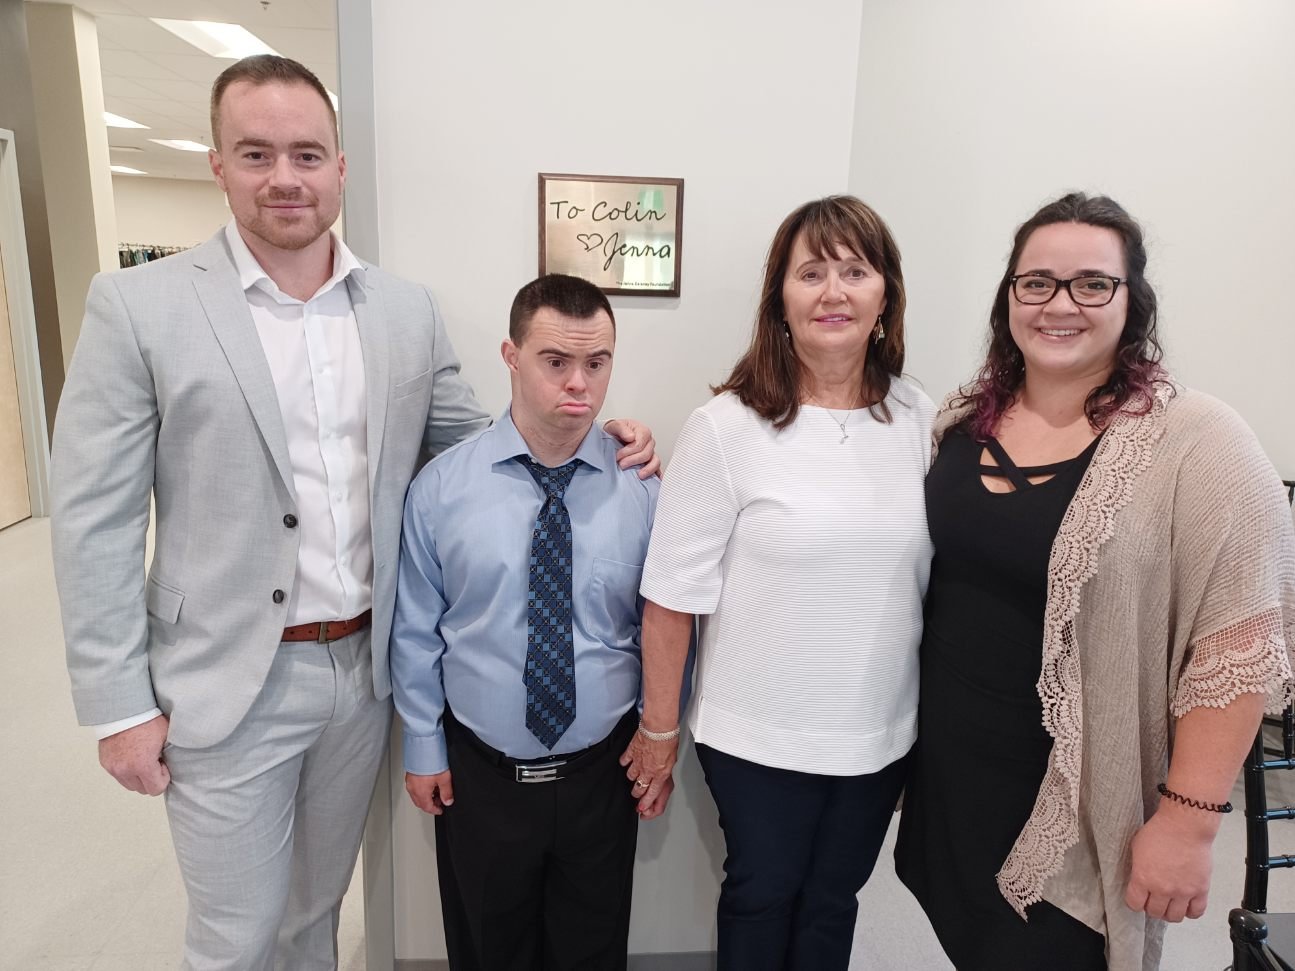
(317, 364)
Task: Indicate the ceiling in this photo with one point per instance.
(152, 77)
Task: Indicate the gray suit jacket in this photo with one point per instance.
(169, 394)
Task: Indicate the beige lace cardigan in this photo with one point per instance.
(1171, 585)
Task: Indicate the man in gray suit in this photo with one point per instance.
(272, 394)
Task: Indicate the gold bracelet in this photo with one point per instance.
(658, 736)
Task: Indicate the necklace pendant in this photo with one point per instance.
(844, 436)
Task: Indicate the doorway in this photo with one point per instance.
(24, 441)
(15, 503)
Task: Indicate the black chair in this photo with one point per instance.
(1263, 941)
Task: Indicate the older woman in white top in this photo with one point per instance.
(793, 521)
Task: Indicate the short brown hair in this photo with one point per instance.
(265, 69)
(768, 377)
(568, 295)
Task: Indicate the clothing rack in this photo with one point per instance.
(137, 254)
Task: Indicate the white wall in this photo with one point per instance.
(750, 103)
(1180, 111)
(167, 212)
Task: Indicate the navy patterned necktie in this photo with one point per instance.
(550, 676)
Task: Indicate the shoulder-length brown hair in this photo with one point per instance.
(768, 377)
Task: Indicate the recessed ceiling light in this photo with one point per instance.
(124, 148)
(183, 144)
(219, 40)
(117, 121)
(126, 170)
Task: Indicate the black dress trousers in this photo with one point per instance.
(537, 875)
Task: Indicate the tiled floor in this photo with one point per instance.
(88, 881)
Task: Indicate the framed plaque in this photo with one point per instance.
(623, 234)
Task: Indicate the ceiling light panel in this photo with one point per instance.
(117, 121)
(126, 170)
(183, 144)
(229, 41)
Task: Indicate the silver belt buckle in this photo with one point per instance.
(548, 772)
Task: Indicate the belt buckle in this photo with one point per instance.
(538, 773)
(323, 632)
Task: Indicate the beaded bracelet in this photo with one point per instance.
(658, 736)
(1212, 807)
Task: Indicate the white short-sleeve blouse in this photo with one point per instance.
(808, 557)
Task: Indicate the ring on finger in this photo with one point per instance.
(640, 782)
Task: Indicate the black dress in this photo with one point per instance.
(981, 749)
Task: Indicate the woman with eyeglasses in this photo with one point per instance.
(1111, 609)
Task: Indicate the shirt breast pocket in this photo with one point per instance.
(613, 601)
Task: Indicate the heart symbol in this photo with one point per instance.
(587, 241)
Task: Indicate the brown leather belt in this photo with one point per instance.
(328, 630)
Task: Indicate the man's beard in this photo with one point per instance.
(296, 234)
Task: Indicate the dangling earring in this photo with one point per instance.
(880, 332)
(786, 330)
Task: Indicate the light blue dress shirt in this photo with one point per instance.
(459, 631)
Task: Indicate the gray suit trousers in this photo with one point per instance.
(267, 823)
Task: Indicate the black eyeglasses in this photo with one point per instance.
(1093, 290)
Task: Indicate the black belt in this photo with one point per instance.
(551, 768)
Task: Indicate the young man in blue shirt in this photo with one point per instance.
(515, 653)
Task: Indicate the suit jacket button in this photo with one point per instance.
(277, 596)
(290, 521)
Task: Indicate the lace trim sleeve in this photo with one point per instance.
(1249, 657)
